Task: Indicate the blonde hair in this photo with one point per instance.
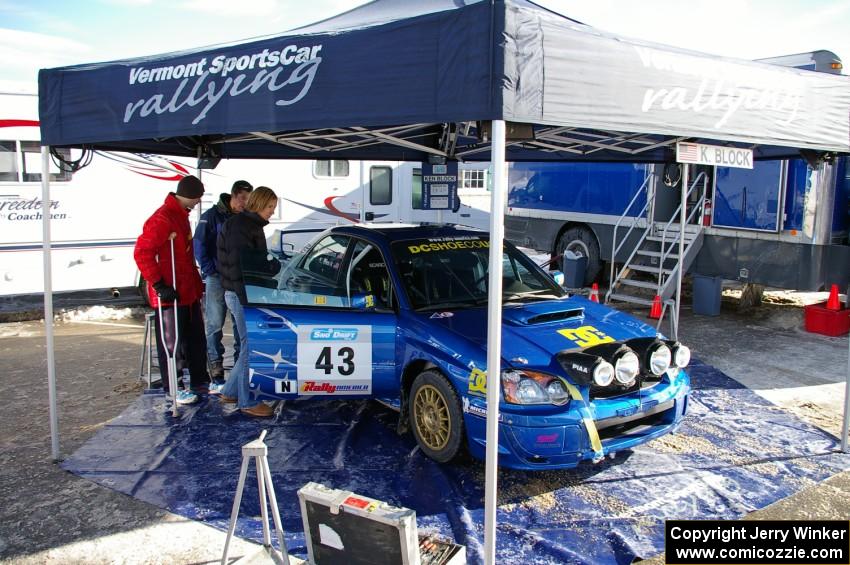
(259, 198)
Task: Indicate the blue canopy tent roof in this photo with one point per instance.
(398, 80)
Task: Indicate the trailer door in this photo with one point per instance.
(380, 191)
(749, 199)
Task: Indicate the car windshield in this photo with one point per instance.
(451, 272)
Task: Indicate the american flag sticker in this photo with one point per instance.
(687, 153)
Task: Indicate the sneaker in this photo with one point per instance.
(186, 397)
(261, 410)
(227, 399)
(216, 370)
(216, 388)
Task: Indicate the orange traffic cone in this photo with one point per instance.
(833, 303)
(655, 310)
(594, 293)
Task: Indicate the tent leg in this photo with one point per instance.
(494, 338)
(846, 424)
(682, 216)
(48, 302)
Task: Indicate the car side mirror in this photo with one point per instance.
(370, 216)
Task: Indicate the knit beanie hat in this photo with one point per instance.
(241, 185)
(190, 187)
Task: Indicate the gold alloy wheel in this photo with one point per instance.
(431, 414)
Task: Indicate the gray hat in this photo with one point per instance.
(190, 187)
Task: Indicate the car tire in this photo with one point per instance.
(435, 416)
(581, 241)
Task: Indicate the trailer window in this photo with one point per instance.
(32, 163)
(473, 179)
(8, 161)
(380, 186)
(416, 190)
(327, 168)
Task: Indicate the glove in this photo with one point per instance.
(165, 292)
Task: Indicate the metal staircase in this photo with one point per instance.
(652, 266)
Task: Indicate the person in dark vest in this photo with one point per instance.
(241, 233)
(215, 309)
(183, 291)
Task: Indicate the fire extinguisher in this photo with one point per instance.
(706, 213)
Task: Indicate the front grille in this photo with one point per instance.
(637, 423)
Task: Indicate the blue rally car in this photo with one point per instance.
(398, 313)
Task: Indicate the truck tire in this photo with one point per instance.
(581, 241)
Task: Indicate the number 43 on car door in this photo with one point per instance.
(334, 359)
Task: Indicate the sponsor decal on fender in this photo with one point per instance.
(475, 410)
(478, 382)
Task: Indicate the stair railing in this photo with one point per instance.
(615, 247)
(665, 252)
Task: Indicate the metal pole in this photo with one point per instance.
(682, 216)
(48, 301)
(494, 338)
(846, 425)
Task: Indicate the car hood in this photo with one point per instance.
(535, 331)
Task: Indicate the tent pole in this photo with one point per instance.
(682, 215)
(494, 338)
(48, 301)
(846, 424)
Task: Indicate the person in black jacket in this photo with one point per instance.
(240, 233)
(215, 309)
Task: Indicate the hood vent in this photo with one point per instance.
(555, 316)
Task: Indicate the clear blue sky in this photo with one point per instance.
(48, 33)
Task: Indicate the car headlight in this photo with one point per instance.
(681, 354)
(532, 387)
(626, 367)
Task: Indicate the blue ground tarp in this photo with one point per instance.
(735, 453)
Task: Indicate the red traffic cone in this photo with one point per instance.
(655, 310)
(833, 303)
(594, 293)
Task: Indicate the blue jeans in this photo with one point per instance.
(237, 384)
(214, 311)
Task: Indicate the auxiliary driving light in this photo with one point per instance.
(626, 367)
(603, 374)
(681, 354)
(586, 368)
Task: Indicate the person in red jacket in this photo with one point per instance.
(153, 257)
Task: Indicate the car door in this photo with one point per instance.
(323, 332)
